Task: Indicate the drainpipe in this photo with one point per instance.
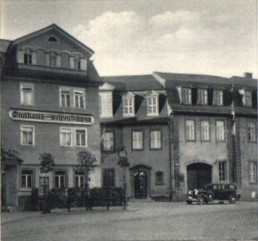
(171, 173)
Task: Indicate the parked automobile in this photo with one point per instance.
(212, 192)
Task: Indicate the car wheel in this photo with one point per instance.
(211, 196)
(189, 202)
(200, 200)
(232, 199)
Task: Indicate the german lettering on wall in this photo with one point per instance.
(51, 117)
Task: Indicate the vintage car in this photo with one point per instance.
(212, 192)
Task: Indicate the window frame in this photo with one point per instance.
(103, 141)
(68, 90)
(82, 93)
(60, 138)
(246, 103)
(186, 135)
(73, 136)
(65, 179)
(33, 134)
(126, 98)
(150, 104)
(79, 175)
(25, 85)
(251, 131)
(216, 131)
(222, 174)
(186, 92)
(202, 92)
(32, 174)
(150, 140)
(218, 96)
(250, 174)
(201, 131)
(132, 140)
(159, 182)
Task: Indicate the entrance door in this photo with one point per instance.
(140, 185)
(198, 174)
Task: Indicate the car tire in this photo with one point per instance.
(189, 202)
(232, 199)
(200, 200)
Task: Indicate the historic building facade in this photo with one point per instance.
(49, 91)
(180, 131)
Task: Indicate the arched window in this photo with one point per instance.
(159, 178)
(52, 39)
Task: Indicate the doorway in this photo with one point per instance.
(140, 185)
(198, 174)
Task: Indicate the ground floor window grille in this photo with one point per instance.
(60, 179)
(26, 178)
(79, 179)
(253, 172)
(108, 177)
(222, 171)
(159, 178)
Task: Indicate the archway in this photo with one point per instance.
(198, 174)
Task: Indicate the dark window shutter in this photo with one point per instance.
(194, 96)
(210, 96)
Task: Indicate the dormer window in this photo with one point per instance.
(247, 98)
(202, 96)
(78, 62)
(26, 56)
(128, 105)
(186, 96)
(52, 39)
(218, 97)
(152, 104)
(53, 59)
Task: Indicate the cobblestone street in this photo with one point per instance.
(142, 221)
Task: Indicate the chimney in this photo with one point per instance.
(248, 75)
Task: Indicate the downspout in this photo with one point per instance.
(171, 172)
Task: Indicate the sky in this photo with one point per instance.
(132, 37)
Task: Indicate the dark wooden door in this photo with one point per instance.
(140, 185)
(198, 174)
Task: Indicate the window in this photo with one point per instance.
(65, 98)
(27, 93)
(251, 131)
(60, 179)
(159, 178)
(190, 132)
(52, 39)
(137, 140)
(73, 137)
(106, 104)
(218, 97)
(202, 96)
(78, 62)
(186, 96)
(155, 139)
(79, 99)
(26, 178)
(247, 100)
(220, 131)
(108, 177)
(152, 105)
(222, 171)
(79, 179)
(28, 57)
(53, 59)
(80, 139)
(128, 103)
(253, 172)
(65, 136)
(205, 131)
(27, 135)
(108, 141)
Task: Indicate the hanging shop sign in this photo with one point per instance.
(51, 117)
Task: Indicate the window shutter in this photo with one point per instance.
(58, 61)
(34, 58)
(20, 56)
(47, 60)
(71, 62)
(83, 64)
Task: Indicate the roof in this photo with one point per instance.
(4, 44)
(173, 79)
(57, 28)
(244, 81)
(134, 82)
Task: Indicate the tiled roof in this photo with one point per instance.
(134, 82)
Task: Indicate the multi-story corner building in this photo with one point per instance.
(49, 91)
(180, 131)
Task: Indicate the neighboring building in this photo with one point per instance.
(49, 91)
(180, 132)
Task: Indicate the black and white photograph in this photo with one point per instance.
(129, 120)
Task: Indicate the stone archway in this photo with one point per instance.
(198, 174)
(140, 181)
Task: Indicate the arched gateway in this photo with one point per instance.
(198, 174)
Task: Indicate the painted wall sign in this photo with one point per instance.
(51, 117)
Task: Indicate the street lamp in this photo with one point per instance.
(123, 163)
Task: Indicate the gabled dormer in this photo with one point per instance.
(128, 104)
(246, 97)
(152, 103)
(50, 49)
